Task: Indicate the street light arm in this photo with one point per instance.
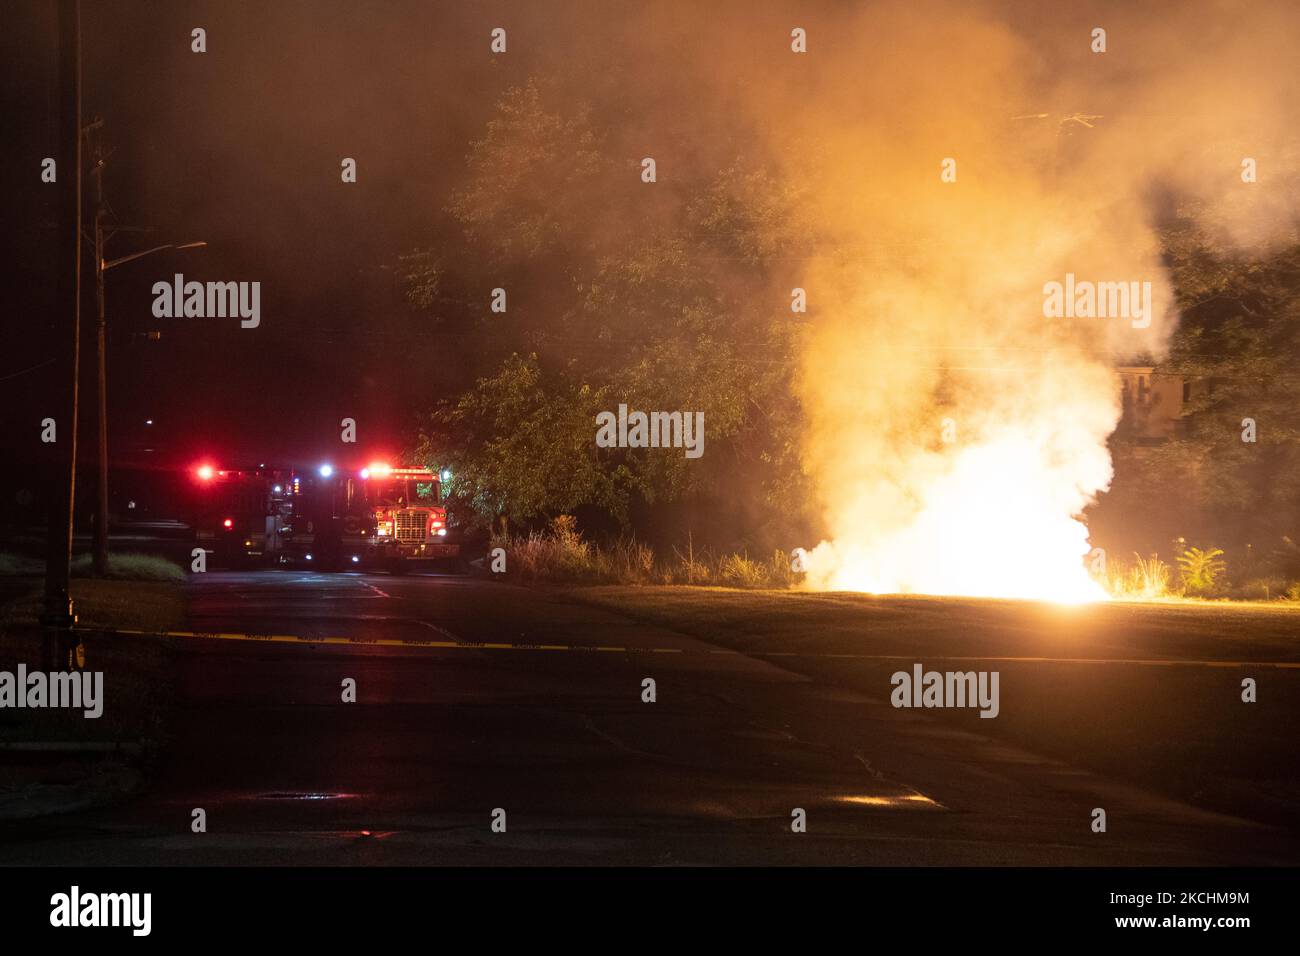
(110, 263)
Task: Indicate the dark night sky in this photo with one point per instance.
(241, 147)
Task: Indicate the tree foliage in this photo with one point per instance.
(519, 444)
(1238, 346)
(662, 300)
(1201, 569)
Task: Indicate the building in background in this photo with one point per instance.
(1153, 404)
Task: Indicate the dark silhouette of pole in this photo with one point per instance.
(58, 616)
(99, 239)
(101, 511)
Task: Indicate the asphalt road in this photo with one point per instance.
(553, 730)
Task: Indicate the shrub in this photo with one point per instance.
(1262, 589)
(738, 571)
(627, 561)
(780, 572)
(560, 555)
(545, 557)
(1201, 571)
(690, 568)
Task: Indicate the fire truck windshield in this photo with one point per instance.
(407, 493)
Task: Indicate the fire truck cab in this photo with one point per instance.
(408, 519)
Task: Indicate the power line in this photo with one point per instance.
(5, 378)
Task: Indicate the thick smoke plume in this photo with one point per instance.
(957, 433)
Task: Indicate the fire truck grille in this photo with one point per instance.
(409, 526)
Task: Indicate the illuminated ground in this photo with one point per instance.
(548, 723)
(1149, 691)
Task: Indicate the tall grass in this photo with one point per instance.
(561, 555)
(1200, 574)
(1144, 579)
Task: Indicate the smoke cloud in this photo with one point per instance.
(956, 433)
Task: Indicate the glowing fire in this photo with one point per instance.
(931, 295)
(995, 523)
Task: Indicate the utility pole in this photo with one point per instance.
(98, 239)
(58, 616)
(101, 512)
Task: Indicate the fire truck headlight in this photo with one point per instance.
(442, 531)
(309, 557)
(326, 470)
(355, 559)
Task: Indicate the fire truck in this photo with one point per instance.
(376, 518)
(405, 519)
(229, 509)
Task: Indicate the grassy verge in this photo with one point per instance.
(132, 567)
(137, 671)
(48, 757)
(19, 564)
(126, 566)
(560, 555)
(143, 605)
(1181, 730)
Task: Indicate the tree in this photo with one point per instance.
(1238, 346)
(519, 445)
(665, 300)
(531, 178)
